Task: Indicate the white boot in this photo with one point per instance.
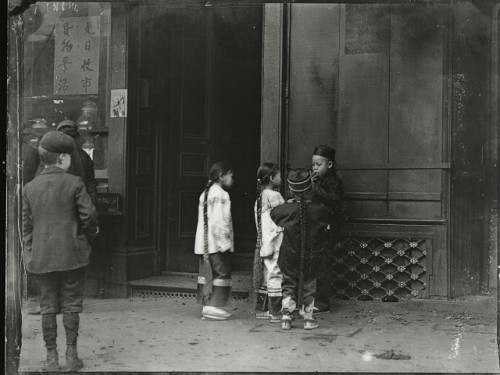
(215, 313)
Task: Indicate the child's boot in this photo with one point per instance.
(71, 323)
(261, 304)
(307, 313)
(286, 320)
(214, 313)
(49, 330)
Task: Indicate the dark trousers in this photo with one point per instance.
(62, 291)
(221, 280)
(290, 288)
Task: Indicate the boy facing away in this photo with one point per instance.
(59, 222)
(305, 224)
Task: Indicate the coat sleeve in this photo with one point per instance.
(222, 224)
(282, 215)
(27, 223)
(86, 211)
(276, 200)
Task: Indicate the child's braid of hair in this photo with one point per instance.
(206, 268)
(303, 245)
(257, 261)
(205, 219)
(259, 213)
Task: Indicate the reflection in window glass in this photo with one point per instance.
(65, 72)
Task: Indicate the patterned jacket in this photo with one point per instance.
(220, 223)
(272, 235)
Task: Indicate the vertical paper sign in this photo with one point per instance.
(76, 56)
(119, 103)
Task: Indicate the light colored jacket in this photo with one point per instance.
(272, 235)
(220, 223)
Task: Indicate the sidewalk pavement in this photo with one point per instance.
(168, 335)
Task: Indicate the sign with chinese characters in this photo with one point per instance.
(119, 103)
(76, 56)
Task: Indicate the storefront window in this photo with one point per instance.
(66, 56)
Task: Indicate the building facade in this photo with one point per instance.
(406, 93)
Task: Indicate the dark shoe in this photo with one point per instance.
(51, 364)
(321, 309)
(73, 363)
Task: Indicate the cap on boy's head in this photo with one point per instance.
(299, 180)
(66, 123)
(54, 141)
(325, 151)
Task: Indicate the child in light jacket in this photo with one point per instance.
(214, 243)
(269, 237)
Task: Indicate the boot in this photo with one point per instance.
(73, 363)
(51, 364)
(307, 314)
(214, 313)
(286, 320)
(71, 323)
(49, 330)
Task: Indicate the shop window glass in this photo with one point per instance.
(66, 56)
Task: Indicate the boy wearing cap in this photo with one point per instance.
(328, 189)
(304, 223)
(59, 222)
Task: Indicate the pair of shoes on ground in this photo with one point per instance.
(73, 363)
(266, 315)
(286, 322)
(214, 313)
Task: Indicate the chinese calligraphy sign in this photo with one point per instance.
(76, 56)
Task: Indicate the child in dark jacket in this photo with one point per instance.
(304, 223)
(59, 222)
(328, 189)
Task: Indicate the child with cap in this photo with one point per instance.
(59, 222)
(304, 222)
(214, 243)
(328, 188)
(267, 275)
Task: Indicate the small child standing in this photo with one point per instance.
(304, 223)
(214, 243)
(328, 189)
(59, 222)
(269, 236)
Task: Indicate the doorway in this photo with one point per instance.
(200, 86)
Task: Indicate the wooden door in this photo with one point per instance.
(210, 92)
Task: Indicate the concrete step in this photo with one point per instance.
(184, 285)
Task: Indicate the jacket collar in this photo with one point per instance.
(52, 169)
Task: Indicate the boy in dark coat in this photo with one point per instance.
(304, 226)
(328, 189)
(59, 222)
(81, 163)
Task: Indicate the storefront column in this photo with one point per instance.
(271, 83)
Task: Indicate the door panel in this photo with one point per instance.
(210, 90)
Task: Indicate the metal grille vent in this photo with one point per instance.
(151, 293)
(387, 269)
